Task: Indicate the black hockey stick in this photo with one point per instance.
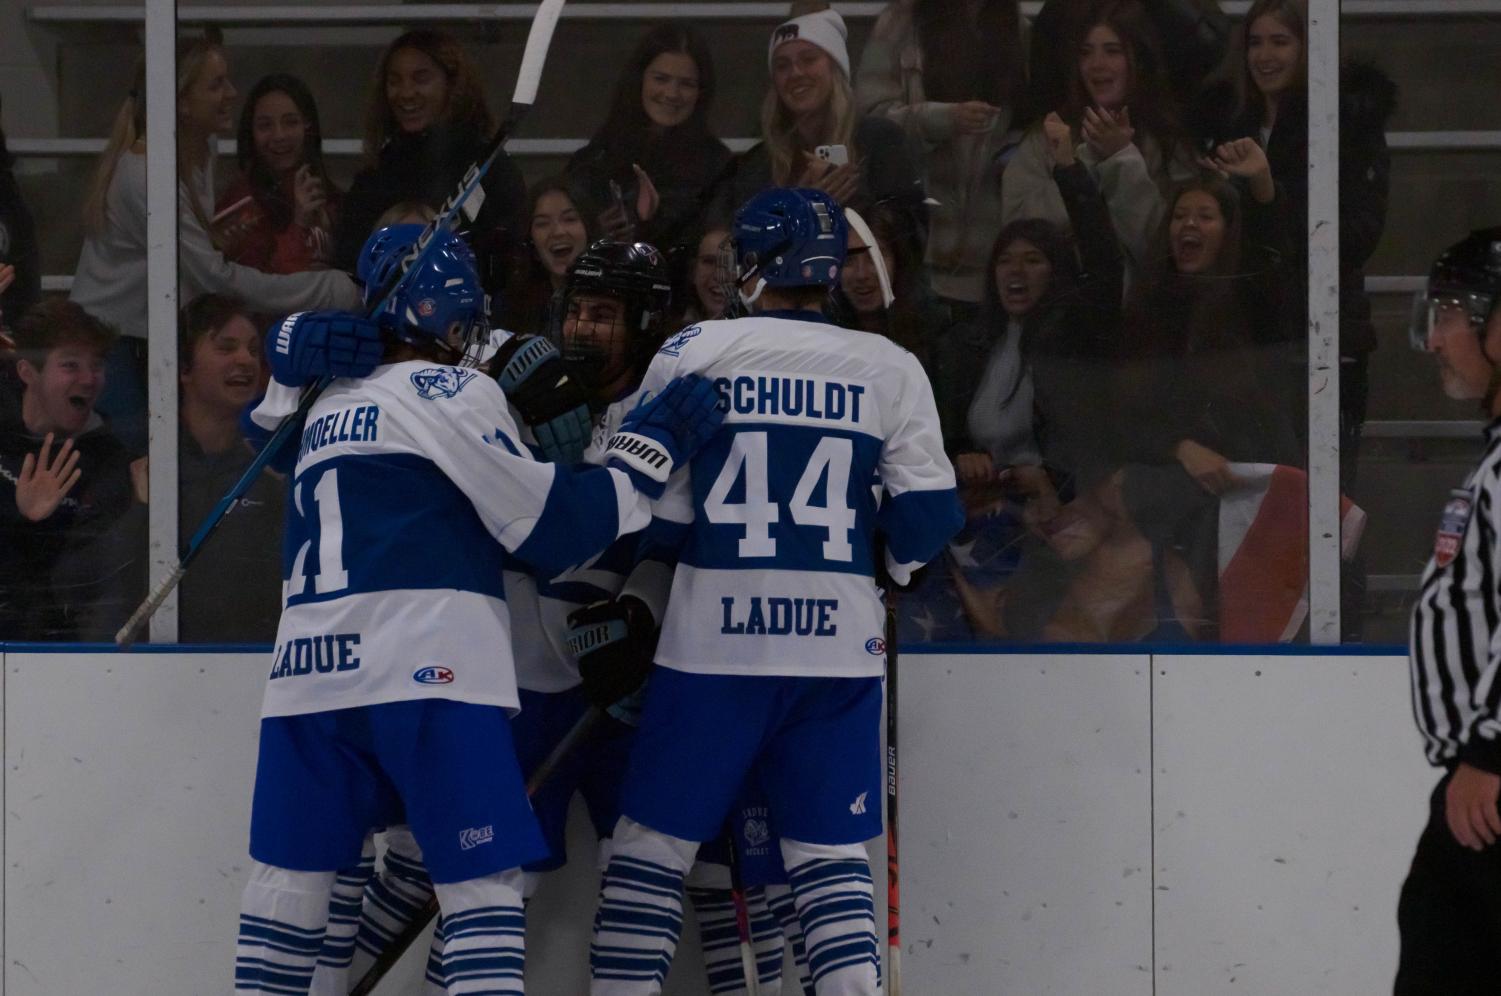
(893, 856)
(532, 60)
(413, 930)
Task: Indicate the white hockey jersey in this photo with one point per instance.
(774, 523)
(408, 484)
(540, 606)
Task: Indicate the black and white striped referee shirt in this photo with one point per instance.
(1456, 624)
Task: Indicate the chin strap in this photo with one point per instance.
(749, 299)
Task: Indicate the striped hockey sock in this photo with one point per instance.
(282, 917)
(832, 889)
(396, 894)
(719, 936)
(640, 912)
(484, 935)
(331, 978)
(779, 901)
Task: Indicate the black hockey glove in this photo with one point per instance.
(549, 399)
(613, 642)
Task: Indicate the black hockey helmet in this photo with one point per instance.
(637, 275)
(1468, 275)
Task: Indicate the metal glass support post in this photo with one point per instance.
(161, 290)
(1323, 322)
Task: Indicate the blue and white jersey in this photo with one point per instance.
(540, 608)
(409, 487)
(775, 520)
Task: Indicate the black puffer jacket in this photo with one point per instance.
(49, 570)
(1368, 98)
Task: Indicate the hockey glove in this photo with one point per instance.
(549, 399)
(664, 432)
(613, 642)
(312, 344)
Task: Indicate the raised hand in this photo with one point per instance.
(1060, 138)
(1244, 158)
(647, 198)
(309, 199)
(840, 182)
(1108, 132)
(45, 481)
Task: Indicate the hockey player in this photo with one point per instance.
(1449, 913)
(391, 682)
(771, 651)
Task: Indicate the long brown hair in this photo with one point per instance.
(965, 58)
(129, 127)
(1153, 108)
(1293, 15)
(466, 95)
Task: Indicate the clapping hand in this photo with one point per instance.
(1060, 138)
(45, 481)
(1107, 132)
(974, 116)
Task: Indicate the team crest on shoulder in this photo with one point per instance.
(1451, 527)
(440, 382)
(674, 345)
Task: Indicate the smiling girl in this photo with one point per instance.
(1123, 125)
(276, 215)
(556, 235)
(656, 145)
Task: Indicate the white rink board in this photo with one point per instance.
(127, 787)
(1026, 829)
(1290, 793)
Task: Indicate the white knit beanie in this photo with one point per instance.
(824, 28)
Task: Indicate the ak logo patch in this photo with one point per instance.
(674, 345)
(440, 382)
(1451, 527)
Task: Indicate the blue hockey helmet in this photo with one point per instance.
(788, 237)
(441, 301)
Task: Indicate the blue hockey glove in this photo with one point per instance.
(665, 432)
(549, 399)
(614, 643)
(310, 344)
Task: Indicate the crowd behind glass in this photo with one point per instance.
(1092, 224)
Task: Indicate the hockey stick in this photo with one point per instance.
(527, 79)
(748, 965)
(413, 930)
(893, 862)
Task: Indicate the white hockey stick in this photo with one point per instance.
(467, 198)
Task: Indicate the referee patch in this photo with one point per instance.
(1451, 527)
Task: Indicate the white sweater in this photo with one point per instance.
(110, 282)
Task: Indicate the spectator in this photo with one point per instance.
(1195, 38)
(65, 477)
(910, 320)
(655, 146)
(1022, 392)
(1272, 106)
(276, 215)
(110, 281)
(426, 125)
(709, 281)
(558, 235)
(951, 77)
(20, 260)
(1204, 383)
(811, 107)
(1118, 102)
(233, 592)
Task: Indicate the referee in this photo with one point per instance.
(1450, 910)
